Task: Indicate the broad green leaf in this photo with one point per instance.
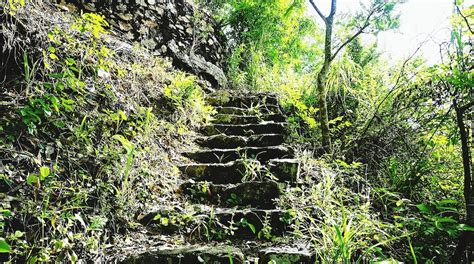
(423, 208)
(53, 56)
(157, 217)
(4, 246)
(44, 172)
(5, 212)
(32, 179)
(122, 115)
(165, 221)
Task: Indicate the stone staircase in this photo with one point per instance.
(237, 174)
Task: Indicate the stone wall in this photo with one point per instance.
(171, 28)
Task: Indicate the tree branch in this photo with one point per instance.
(318, 11)
(392, 90)
(349, 40)
(360, 31)
(333, 9)
(465, 19)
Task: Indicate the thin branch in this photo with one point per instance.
(392, 90)
(465, 19)
(360, 31)
(333, 9)
(446, 115)
(318, 11)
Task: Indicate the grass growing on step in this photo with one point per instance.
(254, 170)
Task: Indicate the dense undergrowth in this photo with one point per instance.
(394, 121)
(89, 130)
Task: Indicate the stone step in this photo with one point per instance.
(230, 223)
(242, 100)
(247, 119)
(295, 254)
(255, 194)
(188, 254)
(257, 110)
(253, 223)
(225, 141)
(285, 169)
(262, 154)
(269, 127)
(219, 173)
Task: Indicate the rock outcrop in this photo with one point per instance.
(177, 29)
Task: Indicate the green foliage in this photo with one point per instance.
(4, 246)
(92, 151)
(188, 99)
(13, 6)
(333, 208)
(92, 137)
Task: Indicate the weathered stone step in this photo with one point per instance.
(230, 223)
(296, 254)
(285, 169)
(247, 119)
(188, 254)
(253, 223)
(226, 141)
(255, 194)
(269, 127)
(219, 173)
(262, 154)
(242, 100)
(257, 110)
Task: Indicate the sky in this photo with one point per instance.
(421, 21)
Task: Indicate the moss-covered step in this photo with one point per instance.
(285, 169)
(268, 127)
(247, 119)
(229, 141)
(256, 110)
(262, 154)
(241, 100)
(190, 254)
(256, 194)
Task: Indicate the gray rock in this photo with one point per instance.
(188, 254)
(285, 169)
(170, 23)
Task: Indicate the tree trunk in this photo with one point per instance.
(321, 87)
(466, 162)
(323, 111)
(466, 237)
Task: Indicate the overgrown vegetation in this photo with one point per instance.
(397, 122)
(87, 133)
(91, 128)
